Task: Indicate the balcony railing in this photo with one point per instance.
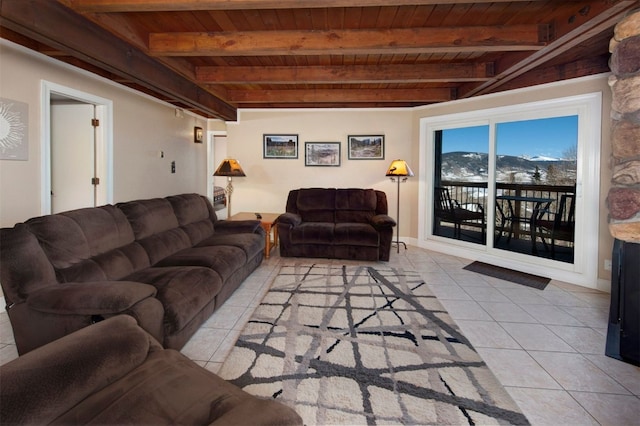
(477, 193)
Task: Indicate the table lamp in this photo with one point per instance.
(229, 168)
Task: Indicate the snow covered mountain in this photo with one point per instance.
(474, 167)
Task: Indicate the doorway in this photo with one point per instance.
(77, 150)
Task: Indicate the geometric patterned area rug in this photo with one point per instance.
(364, 345)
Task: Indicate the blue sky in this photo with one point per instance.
(549, 137)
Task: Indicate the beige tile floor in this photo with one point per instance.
(545, 347)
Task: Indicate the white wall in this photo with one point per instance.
(268, 181)
(142, 128)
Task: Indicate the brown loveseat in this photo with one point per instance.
(336, 223)
(168, 262)
(114, 373)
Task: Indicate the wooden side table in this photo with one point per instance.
(267, 224)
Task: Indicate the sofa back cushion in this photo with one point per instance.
(336, 205)
(61, 239)
(155, 227)
(105, 228)
(149, 217)
(316, 204)
(195, 215)
(19, 247)
(89, 244)
(355, 205)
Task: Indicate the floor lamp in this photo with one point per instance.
(229, 168)
(399, 171)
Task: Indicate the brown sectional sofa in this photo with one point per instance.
(114, 373)
(343, 223)
(167, 262)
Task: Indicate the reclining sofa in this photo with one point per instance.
(115, 373)
(336, 223)
(167, 262)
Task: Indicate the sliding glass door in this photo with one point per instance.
(535, 183)
(460, 183)
(508, 182)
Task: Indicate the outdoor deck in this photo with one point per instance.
(476, 193)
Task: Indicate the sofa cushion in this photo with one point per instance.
(194, 215)
(61, 238)
(189, 208)
(149, 217)
(112, 265)
(316, 204)
(184, 291)
(105, 228)
(355, 205)
(251, 244)
(74, 240)
(356, 234)
(164, 244)
(313, 233)
(224, 260)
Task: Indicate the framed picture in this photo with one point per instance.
(280, 146)
(322, 153)
(366, 147)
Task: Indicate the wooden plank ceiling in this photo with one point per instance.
(215, 56)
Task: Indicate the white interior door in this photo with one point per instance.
(72, 156)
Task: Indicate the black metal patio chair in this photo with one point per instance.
(450, 210)
(558, 225)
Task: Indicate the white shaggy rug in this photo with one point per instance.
(364, 345)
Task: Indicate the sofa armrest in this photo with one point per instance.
(290, 219)
(382, 221)
(238, 227)
(45, 383)
(90, 298)
(235, 410)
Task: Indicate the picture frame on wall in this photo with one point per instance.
(322, 154)
(366, 147)
(280, 146)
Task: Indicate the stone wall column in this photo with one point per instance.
(623, 199)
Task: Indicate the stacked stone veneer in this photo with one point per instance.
(624, 196)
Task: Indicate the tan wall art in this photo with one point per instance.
(14, 138)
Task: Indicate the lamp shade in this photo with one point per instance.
(399, 168)
(229, 167)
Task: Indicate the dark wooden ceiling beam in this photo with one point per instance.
(603, 17)
(347, 42)
(106, 6)
(55, 25)
(340, 95)
(401, 73)
(589, 66)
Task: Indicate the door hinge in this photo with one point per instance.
(95, 181)
(95, 122)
